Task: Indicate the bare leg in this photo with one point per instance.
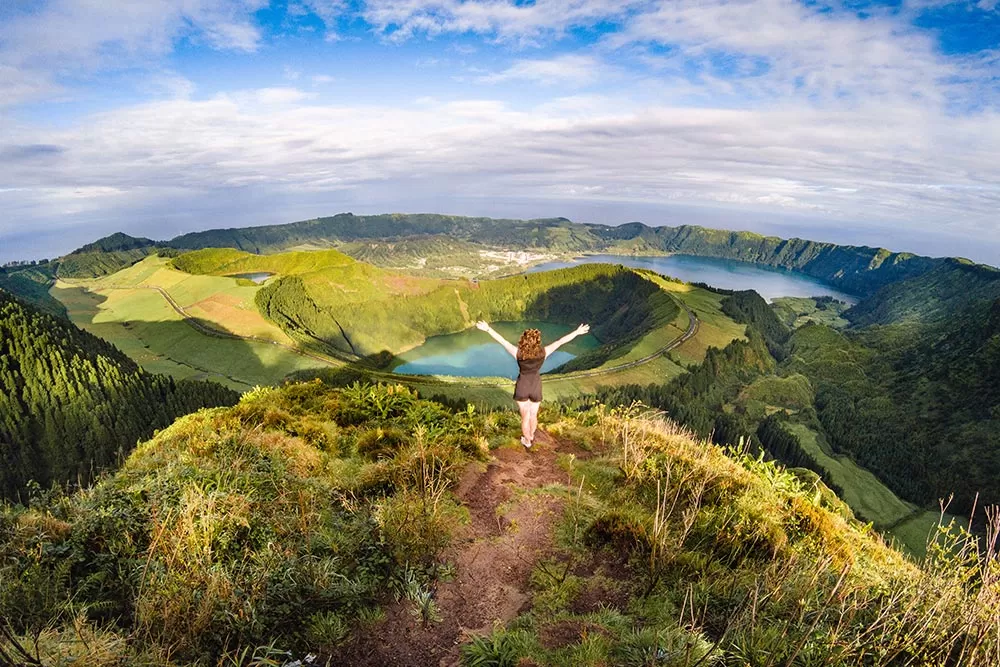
(526, 430)
(533, 425)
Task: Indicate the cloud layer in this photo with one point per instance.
(764, 104)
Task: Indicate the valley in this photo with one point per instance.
(874, 403)
(246, 319)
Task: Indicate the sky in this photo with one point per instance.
(853, 121)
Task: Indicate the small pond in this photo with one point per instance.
(258, 278)
(473, 353)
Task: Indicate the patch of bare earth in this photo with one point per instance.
(493, 556)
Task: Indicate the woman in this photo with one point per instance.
(530, 355)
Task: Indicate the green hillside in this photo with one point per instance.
(367, 527)
(71, 404)
(855, 269)
(829, 401)
(31, 284)
(915, 356)
(360, 309)
(217, 335)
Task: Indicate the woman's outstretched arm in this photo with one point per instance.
(579, 331)
(511, 349)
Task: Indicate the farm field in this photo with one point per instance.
(223, 303)
(142, 324)
(795, 311)
(716, 329)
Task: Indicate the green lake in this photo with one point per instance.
(473, 353)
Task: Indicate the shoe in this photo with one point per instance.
(527, 443)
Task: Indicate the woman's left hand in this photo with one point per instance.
(582, 329)
(482, 326)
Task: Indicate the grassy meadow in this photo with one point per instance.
(142, 324)
(715, 329)
(795, 311)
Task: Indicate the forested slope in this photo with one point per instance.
(916, 402)
(70, 402)
(31, 284)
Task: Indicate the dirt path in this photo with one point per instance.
(493, 556)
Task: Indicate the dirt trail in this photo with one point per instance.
(493, 556)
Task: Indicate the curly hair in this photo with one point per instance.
(530, 345)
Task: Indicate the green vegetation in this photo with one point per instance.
(855, 269)
(290, 518)
(71, 404)
(105, 256)
(915, 403)
(907, 390)
(31, 284)
(355, 308)
(796, 311)
(141, 323)
(308, 519)
(792, 392)
(670, 552)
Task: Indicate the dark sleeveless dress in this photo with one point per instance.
(529, 380)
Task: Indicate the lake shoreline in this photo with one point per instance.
(736, 268)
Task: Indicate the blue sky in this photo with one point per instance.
(850, 121)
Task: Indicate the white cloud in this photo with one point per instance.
(183, 153)
(766, 104)
(167, 84)
(568, 68)
(783, 48)
(60, 37)
(502, 19)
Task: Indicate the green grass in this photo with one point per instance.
(862, 490)
(716, 329)
(330, 277)
(793, 392)
(912, 533)
(230, 530)
(795, 311)
(870, 499)
(223, 302)
(146, 328)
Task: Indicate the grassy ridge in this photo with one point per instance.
(305, 518)
(856, 269)
(618, 301)
(233, 529)
(731, 561)
(356, 308)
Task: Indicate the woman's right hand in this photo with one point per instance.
(582, 329)
(482, 326)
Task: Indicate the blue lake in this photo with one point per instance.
(472, 353)
(770, 283)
